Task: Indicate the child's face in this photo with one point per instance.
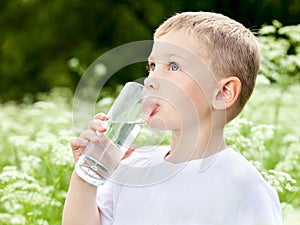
(179, 87)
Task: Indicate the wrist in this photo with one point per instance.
(78, 179)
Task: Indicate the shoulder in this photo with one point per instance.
(236, 174)
(243, 174)
(255, 200)
(237, 167)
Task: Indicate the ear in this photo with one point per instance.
(227, 95)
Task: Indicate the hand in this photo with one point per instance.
(78, 144)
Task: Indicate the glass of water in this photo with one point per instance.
(124, 121)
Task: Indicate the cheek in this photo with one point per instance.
(179, 103)
(199, 98)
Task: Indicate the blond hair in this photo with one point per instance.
(232, 49)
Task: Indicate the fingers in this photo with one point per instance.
(94, 134)
(100, 116)
(78, 145)
(97, 123)
(90, 135)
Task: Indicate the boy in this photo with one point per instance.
(202, 71)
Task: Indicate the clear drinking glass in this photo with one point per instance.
(124, 121)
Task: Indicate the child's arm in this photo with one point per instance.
(80, 206)
(81, 202)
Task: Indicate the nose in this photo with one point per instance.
(151, 83)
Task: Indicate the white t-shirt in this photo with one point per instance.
(223, 189)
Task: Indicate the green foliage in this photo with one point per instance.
(272, 139)
(39, 38)
(280, 50)
(279, 150)
(36, 161)
(255, 143)
(50, 43)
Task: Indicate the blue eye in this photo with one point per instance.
(174, 67)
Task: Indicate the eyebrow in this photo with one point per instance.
(170, 55)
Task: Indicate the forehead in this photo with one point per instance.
(166, 49)
(180, 44)
(169, 46)
(177, 47)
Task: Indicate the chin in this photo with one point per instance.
(160, 124)
(157, 123)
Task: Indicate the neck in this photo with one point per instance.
(197, 143)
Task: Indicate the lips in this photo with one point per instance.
(150, 107)
(154, 110)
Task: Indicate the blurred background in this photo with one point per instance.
(50, 43)
(47, 45)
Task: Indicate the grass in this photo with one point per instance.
(36, 160)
